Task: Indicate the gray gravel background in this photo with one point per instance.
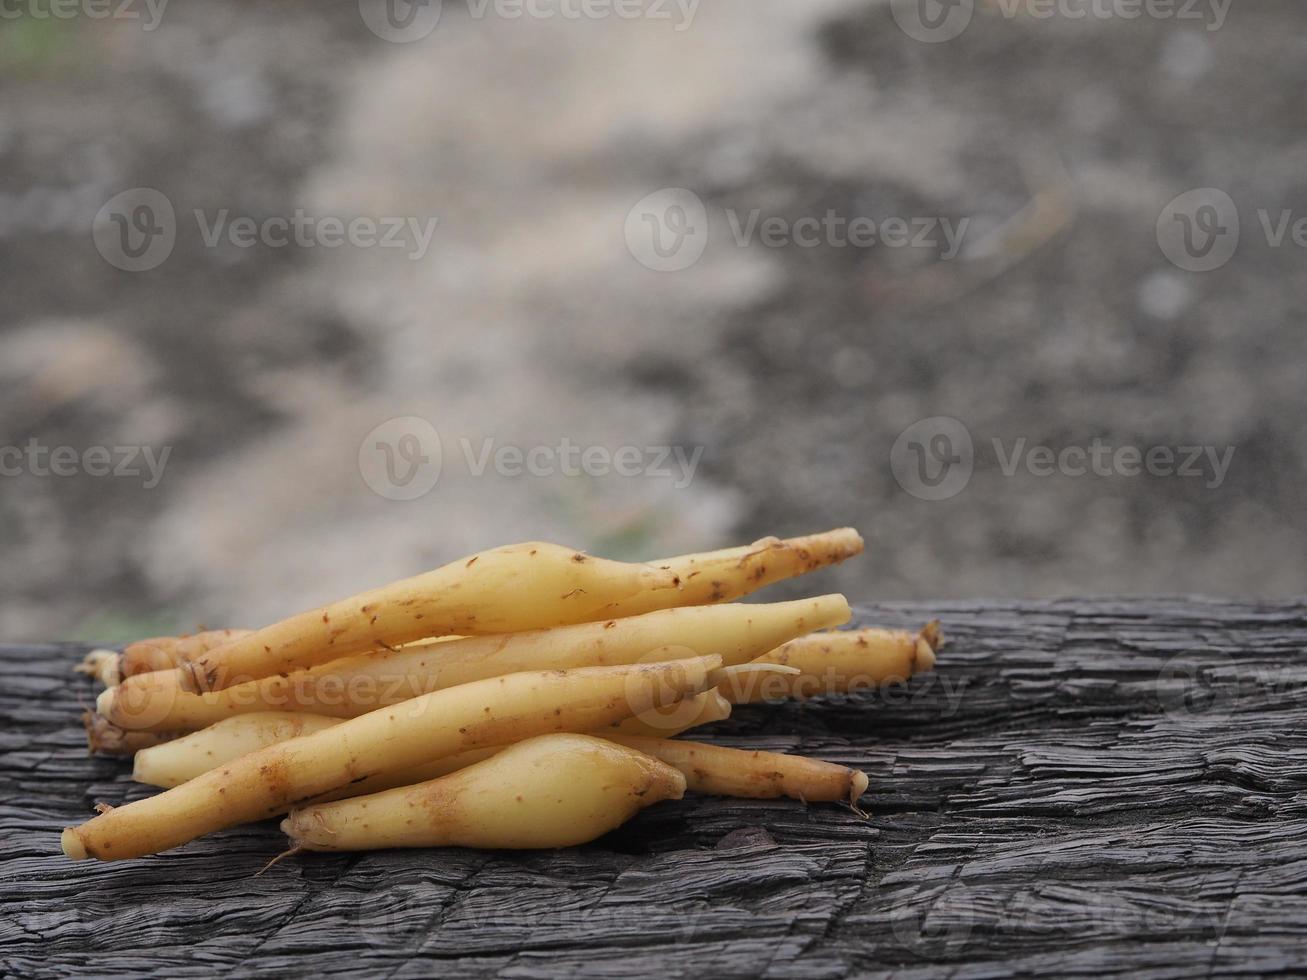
(791, 369)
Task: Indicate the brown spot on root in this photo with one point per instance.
(578, 558)
(610, 624)
(326, 618)
(275, 773)
(471, 561)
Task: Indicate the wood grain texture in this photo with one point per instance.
(1081, 788)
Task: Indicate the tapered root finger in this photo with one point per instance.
(549, 791)
(71, 842)
(702, 709)
(352, 686)
(103, 737)
(175, 761)
(857, 786)
(721, 576)
(839, 662)
(147, 702)
(178, 760)
(496, 711)
(505, 590)
(103, 665)
(167, 652)
(929, 641)
(722, 771)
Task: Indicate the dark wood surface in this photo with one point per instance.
(1082, 787)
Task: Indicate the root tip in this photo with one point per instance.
(929, 640)
(289, 852)
(857, 786)
(71, 842)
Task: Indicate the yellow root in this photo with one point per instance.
(496, 711)
(352, 686)
(721, 576)
(548, 791)
(834, 663)
(720, 771)
(504, 590)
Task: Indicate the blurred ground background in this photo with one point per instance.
(529, 320)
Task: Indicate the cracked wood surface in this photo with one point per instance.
(1083, 787)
